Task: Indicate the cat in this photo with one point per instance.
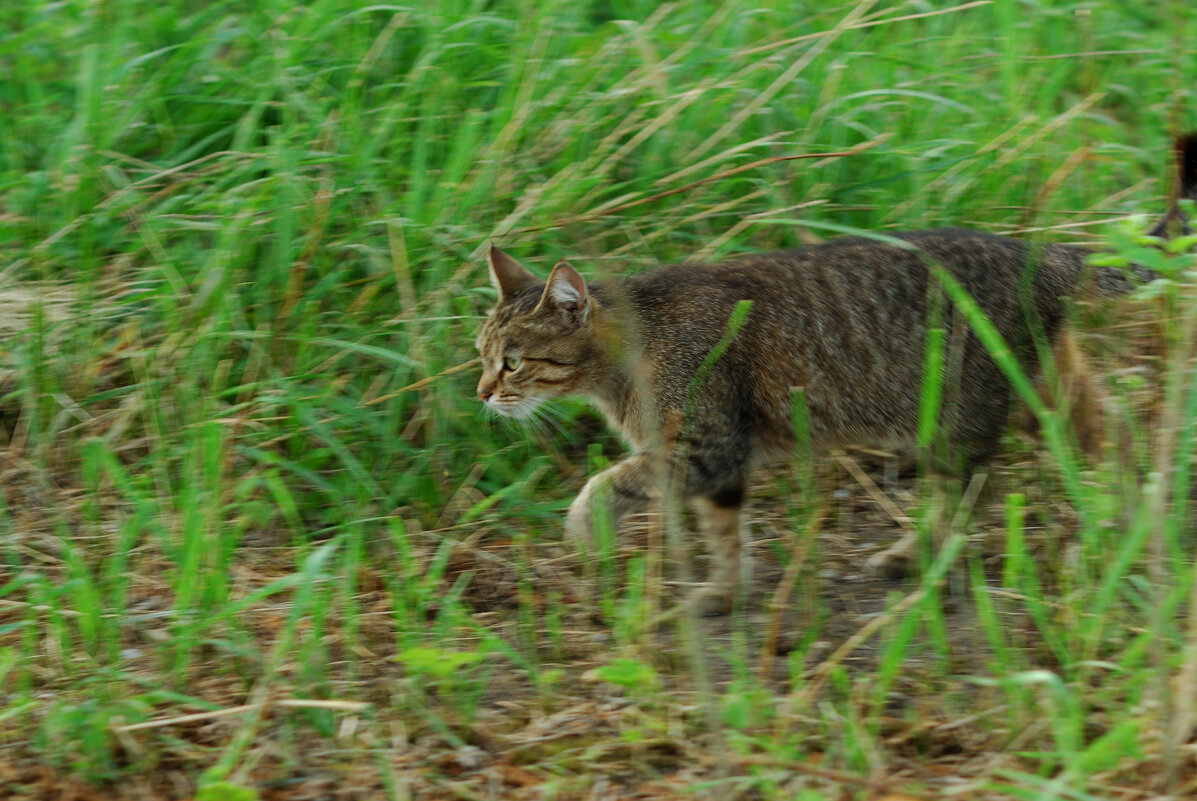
(845, 320)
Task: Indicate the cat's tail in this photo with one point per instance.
(1110, 281)
(1185, 149)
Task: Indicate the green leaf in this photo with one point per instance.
(226, 791)
(630, 673)
(437, 662)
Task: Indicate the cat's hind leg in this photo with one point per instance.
(719, 518)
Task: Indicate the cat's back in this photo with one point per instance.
(981, 260)
(880, 281)
(847, 319)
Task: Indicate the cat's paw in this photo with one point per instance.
(711, 601)
(577, 519)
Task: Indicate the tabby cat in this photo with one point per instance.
(845, 320)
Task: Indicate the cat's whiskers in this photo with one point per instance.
(546, 416)
(526, 412)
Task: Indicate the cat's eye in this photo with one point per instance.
(512, 362)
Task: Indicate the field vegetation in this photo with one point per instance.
(257, 539)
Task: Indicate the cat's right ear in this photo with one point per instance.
(508, 275)
(566, 296)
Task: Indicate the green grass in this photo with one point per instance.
(244, 475)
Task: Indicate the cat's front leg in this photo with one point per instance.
(628, 486)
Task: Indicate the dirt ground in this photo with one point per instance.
(582, 738)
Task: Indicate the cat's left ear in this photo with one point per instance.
(567, 295)
(508, 275)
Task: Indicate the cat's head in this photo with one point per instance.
(538, 341)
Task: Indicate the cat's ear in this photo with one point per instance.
(566, 294)
(508, 275)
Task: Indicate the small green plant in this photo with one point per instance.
(632, 674)
(445, 685)
(438, 664)
(226, 791)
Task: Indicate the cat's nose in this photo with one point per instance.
(487, 383)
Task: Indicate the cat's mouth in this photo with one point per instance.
(513, 407)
